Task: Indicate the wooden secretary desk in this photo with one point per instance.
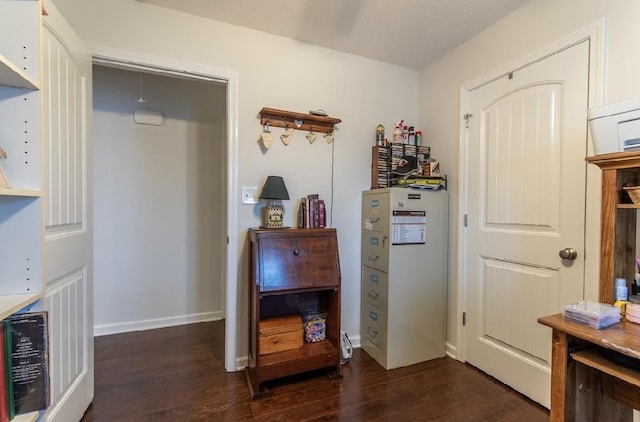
(291, 269)
(595, 374)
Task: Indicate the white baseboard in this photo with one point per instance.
(242, 363)
(451, 351)
(150, 324)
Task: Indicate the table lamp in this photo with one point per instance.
(272, 214)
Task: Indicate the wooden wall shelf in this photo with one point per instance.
(287, 119)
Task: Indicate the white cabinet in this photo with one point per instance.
(404, 275)
(21, 206)
(21, 232)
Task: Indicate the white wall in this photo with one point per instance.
(158, 201)
(532, 27)
(279, 73)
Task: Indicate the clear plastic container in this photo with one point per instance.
(594, 314)
(314, 323)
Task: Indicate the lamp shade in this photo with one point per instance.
(274, 188)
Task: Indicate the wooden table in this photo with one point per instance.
(585, 386)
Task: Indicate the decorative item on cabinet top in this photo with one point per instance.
(4, 182)
(292, 120)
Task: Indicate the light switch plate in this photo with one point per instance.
(249, 195)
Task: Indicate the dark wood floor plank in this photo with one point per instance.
(177, 374)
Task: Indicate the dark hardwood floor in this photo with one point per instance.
(177, 374)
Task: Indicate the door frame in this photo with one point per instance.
(594, 33)
(185, 70)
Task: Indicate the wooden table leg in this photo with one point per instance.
(563, 386)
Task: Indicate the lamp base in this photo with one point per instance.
(272, 217)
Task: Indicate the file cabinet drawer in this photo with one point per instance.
(374, 325)
(375, 214)
(374, 287)
(375, 250)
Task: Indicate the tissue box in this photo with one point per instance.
(431, 168)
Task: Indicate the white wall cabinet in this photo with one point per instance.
(404, 275)
(21, 206)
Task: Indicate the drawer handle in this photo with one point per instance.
(373, 257)
(373, 294)
(375, 220)
(372, 331)
(296, 251)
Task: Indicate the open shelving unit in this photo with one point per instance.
(21, 205)
(618, 219)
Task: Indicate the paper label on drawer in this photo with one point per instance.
(374, 278)
(373, 315)
(375, 241)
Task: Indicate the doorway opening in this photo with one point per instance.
(215, 162)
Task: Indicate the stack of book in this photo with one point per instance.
(24, 388)
(312, 213)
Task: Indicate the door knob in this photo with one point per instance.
(568, 253)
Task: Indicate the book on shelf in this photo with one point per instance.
(4, 393)
(312, 212)
(26, 346)
(8, 383)
(301, 213)
(322, 214)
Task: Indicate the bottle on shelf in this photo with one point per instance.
(397, 132)
(418, 138)
(622, 292)
(412, 136)
(380, 136)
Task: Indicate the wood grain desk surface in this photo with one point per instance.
(623, 337)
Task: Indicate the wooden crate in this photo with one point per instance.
(280, 333)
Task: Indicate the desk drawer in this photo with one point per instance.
(298, 262)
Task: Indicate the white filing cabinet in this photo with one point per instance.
(404, 275)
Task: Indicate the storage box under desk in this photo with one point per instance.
(280, 333)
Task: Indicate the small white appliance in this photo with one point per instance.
(615, 127)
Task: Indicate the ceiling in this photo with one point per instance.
(409, 33)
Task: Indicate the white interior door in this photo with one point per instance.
(68, 244)
(526, 176)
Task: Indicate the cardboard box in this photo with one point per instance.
(434, 168)
(280, 333)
